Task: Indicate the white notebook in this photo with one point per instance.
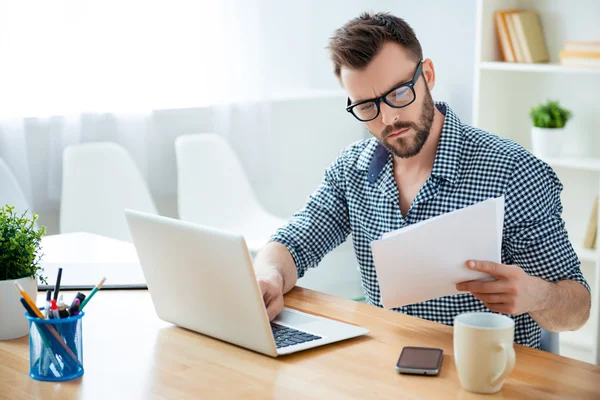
(86, 258)
(426, 260)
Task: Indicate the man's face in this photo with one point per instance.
(403, 131)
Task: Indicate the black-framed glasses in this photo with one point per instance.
(398, 97)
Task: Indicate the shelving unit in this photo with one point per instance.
(588, 164)
(503, 96)
(550, 67)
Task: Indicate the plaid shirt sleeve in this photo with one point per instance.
(322, 224)
(535, 235)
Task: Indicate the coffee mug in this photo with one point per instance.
(483, 350)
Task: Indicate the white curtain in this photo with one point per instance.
(138, 73)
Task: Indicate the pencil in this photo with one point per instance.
(92, 293)
(31, 303)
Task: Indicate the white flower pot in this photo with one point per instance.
(13, 323)
(547, 142)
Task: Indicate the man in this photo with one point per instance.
(423, 162)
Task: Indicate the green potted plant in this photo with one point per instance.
(547, 134)
(20, 255)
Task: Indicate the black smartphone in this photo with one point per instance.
(420, 361)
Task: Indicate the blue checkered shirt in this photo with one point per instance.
(359, 195)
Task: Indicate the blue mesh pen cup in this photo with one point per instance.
(55, 348)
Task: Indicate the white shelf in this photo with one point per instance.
(588, 164)
(525, 67)
(503, 94)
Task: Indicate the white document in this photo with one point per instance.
(426, 260)
(86, 258)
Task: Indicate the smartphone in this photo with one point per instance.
(420, 361)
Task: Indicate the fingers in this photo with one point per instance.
(272, 297)
(274, 307)
(491, 298)
(263, 286)
(497, 270)
(501, 303)
(504, 308)
(497, 286)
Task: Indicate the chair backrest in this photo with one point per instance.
(10, 190)
(212, 187)
(100, 180)
(550, 342)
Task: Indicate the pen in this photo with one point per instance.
(47, 308)
(74, 309)
(39, 314)
(54, 309)
(63, 311)
(79, 297)
(57, 286)
(93, 292)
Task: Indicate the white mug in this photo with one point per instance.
(483, 350)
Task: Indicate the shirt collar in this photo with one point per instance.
(375, 156)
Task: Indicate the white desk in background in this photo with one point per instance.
(85, 258)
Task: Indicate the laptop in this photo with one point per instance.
(202, 279)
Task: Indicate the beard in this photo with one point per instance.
(406, 147)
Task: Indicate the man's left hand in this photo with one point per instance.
(513, 292)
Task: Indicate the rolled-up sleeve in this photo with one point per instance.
(322, 224)
(535, 236)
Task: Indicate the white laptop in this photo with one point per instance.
(202, 279)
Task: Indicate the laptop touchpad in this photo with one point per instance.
(294, 319)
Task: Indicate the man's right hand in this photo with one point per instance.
(272, 293)
(276, 274)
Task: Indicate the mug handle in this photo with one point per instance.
(509, 353)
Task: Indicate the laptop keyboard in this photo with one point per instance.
(285, 336)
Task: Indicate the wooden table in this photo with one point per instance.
(130, 354)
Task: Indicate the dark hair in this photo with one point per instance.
(356, 43)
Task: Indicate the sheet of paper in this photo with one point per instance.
(86, 258)
(426, 260)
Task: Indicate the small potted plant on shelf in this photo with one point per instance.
(548, 131)
(20, 256)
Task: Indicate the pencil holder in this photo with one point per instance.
(55, 348)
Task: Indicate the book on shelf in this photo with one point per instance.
(508, 53)
(589, 242)
(580, 54)
(520, 36)
(583, 46)
(512, 34)
(530, 36)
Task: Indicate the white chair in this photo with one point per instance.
(10, 190)
(550, 341)
(213, 190)
(100, 180)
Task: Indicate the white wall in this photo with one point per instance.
(308, 133)
(298, 32)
